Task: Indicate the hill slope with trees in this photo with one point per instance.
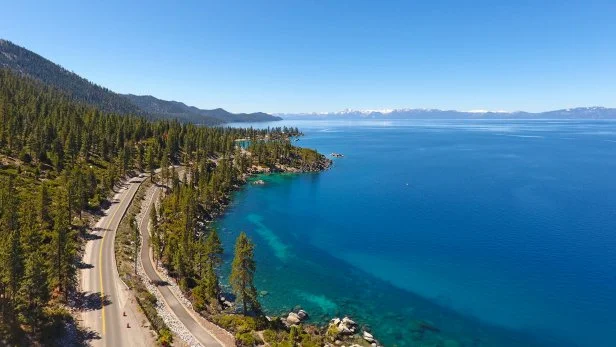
(178, 110)
(28, 63)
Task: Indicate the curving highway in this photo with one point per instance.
(110, 313)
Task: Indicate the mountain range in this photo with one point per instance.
(28, 63)
(420, 113)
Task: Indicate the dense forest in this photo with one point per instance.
(60, 160)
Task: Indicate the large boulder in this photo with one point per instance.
(293, 318)
(348, 322)
(302, 315)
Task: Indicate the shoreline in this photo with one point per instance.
(221, 207)
(334, 331)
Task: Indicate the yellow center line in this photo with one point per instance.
(100, 263)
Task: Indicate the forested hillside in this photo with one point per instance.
(175, 109)
(31, 64)
(59, 161)
(26, 62)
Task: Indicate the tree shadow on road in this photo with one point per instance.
(91, 301)
(82, 265)
(85, 335)
(75, 335)
(159, 283)
(93, 236)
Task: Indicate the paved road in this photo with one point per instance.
(106, 295)
(182, 313)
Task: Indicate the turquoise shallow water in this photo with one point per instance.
(499, 233)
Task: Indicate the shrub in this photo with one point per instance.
(270, 336)
(236, 323)
(246, 339)
(332, 332)
(165, 338)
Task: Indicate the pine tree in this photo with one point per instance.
(242, 273)
(208, 287)
(164, 167)
(44, 202)
(11, 255)
(33, 291)
(213, 249)
(149, 157)
(64, 249)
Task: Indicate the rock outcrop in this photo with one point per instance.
(296, 318)
(345, 326)
(345, 330)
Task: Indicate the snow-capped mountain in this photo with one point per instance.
(595, 112)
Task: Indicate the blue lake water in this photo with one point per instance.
(498, 233)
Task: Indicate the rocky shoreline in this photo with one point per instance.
(339, 330)
(321, 165)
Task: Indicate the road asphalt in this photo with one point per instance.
(110, 313)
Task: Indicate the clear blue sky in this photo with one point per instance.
(294, 56)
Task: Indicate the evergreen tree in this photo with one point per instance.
(164, 168)
(44, 202)
(242, 273)
(33, 292)
(213, 248)
(149, 157)
(208, 287)
(64, 248)
(10, 246)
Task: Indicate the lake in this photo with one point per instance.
(496, 233)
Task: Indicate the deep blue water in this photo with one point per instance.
(499, 233)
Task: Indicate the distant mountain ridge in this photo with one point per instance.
(28, 63)
(179, 110)
(595, 112)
